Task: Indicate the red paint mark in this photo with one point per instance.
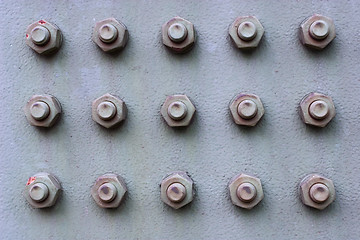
(42, 22)
(27, 35)
(31, 180)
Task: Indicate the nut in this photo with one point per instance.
(42, 190)
(43, 37)
(177, 110)
(109, 190)
(245, 191)
(246, 32)
(177, 190)
(317, 191)
(317, 31)
(317, 109)
(108, 111)
(110, 35)
(42, 110)
(178, 35)
(246, 109)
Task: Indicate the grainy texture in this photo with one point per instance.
(280, 150)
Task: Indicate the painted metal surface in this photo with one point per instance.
(281, 150)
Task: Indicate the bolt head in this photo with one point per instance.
(245, 191)
(42, 110)
(42, 190)
(178, 35)
(38, 192)
(177, 190)
(40, 35)
(110, 35)
(246, 32)
(108, 111)
(317, 191)
(177, 110)
(109, 190)
(317, 31)
(43, 37)
(39, 110)
(246, 109)
(317, 109)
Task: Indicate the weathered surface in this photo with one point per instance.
(281, 150)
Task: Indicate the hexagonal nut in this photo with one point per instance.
(317, 109)
(317, 31)
(317, 191)
(246, 109)
(108, 110)
(109, 190)
(246, 32)
(245, 191)
(178, 35)
(42, 110)
(43, 37)
(42, 190)
(177, 189)
(110, 35)
(177, 110)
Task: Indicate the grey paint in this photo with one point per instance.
(280, 150)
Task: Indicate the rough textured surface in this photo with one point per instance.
(281, 150)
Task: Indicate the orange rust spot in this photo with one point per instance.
(31, 180)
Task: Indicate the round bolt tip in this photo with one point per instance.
(247, 31)
(38, 192)
(319, 109)
(176, 192)
(247, 109)
(108, 33)
(319, 192)
(107, 192)
(177, 110)
(246, 192)
(177, 32)
(319, 30)
(40, 35)
(39, 110)
(106, 110)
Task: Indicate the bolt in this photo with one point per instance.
(42, 110)
(177, 32)
(42, 190)
(40, 35)
(319, 109)
(319, 192)
(246, 192)
(247, 31)
(247, 109)
(38, 192)
(108, 33)
(176, 192)
(107, 192)
(178, 35)
(319, 30)
(106, 110)
(177, 110)
(39, 110)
